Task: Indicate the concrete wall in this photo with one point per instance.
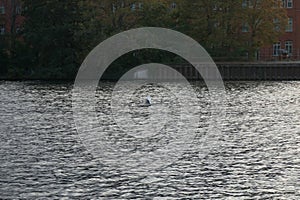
(264, 71)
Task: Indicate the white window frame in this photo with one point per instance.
(289, 27)
(289, 46)
(276, 47)
(18, 10)
(133, 7)
(289, 4)
(113, 8)
(140, 5)
(284, 3)
(246, 3)
(276, 24)
(2, 10)
(245, 28)
(173, 5)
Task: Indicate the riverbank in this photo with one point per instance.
(230, 71)
(249, 71)
(260, 71)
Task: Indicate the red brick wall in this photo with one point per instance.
(266, 53)
(6, 19)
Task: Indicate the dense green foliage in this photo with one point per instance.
(57, 35)
(50, 31)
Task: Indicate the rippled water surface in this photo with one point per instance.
(257, 155)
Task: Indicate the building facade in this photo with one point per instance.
(10, 16)
(288, 45)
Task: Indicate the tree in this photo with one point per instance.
(10, 39)
(59, 34)
(12, 34)
(157, 13)
(93, 28)
(49, 30)
(120, 15)
(3, 56)
(194, 19)
(227, 28)
(263, 21)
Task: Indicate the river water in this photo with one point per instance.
(257, 155)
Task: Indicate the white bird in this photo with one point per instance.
(148, 100)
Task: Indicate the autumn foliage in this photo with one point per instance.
(57, 35)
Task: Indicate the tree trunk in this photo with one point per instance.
(13, 17)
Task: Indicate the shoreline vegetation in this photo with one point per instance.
(56, 36)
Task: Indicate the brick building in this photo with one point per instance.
(289, 42)
(10, 16)
(11, 20)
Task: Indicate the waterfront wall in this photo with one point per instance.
(233, 71)
(260, 71)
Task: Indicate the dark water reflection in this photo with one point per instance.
(257, 156)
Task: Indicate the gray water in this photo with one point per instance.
(256, 157)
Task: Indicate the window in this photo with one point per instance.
(140, 5)
(2, 10)
(114, 8)
(276, 24)
(276, 48)
(289, 4)
(247, 4)
(133, 7)
(173, 5)
(289, 27)
(18, 10)
(2, 29)
(289, 47)
(18, 30)
(215, 7)
(216, 24)
(245, 28)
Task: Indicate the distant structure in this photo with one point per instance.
(288, 45)
(10, 16)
